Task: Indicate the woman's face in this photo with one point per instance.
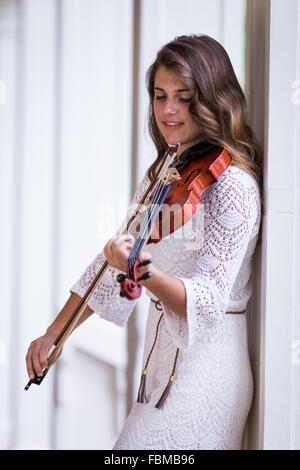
(171, 110)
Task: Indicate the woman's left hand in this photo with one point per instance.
(117, 251)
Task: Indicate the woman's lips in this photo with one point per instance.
(172, 125)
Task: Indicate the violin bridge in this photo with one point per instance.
(170, 176)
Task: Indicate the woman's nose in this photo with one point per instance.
(171, 107)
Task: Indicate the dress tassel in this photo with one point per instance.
(142, 390)
(141, 395)
(163, 398)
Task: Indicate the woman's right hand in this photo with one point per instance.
(36, 358)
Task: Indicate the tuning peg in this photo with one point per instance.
(121, 277)
(144, 263)
(145, 276)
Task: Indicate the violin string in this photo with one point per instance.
(144, 228)
(157, 194)
(158, 190)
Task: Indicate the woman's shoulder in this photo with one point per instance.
(243, 179)
(236, 182)
(236, 194)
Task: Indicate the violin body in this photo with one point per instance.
(184, 196)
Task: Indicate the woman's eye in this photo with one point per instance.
(183, 100)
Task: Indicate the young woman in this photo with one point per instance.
(197, 319)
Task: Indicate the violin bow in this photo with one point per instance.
(73, 320)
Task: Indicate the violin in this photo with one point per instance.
(181, 188)
(180, 183)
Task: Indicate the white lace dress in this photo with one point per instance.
(212, 392)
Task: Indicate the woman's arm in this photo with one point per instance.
(36, 358)
(169, 290)
(65, 314)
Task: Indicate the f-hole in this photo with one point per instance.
(188, 176)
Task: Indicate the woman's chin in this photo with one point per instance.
(173, 140)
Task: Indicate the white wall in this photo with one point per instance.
(7, 204)
(27, 171)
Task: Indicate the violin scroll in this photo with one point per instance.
(130, 287)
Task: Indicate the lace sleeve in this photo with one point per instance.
(231, 220)
(106, 300)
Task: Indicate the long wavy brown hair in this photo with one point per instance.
(218, 104)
